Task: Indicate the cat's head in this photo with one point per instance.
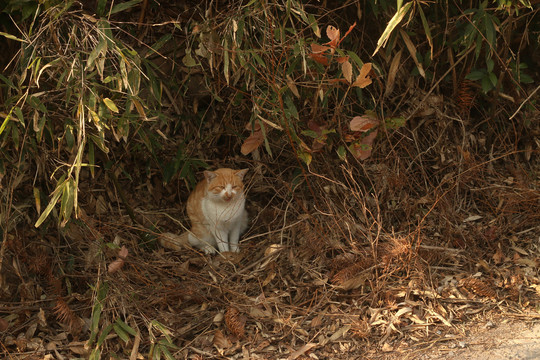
(225, 184)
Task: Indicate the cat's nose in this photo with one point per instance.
(227, 196)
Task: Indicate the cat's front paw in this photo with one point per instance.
(209, 250)
(235, 248)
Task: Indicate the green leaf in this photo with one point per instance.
(304, 156)
(121, 333)
(291, 107)
(310, 133)
(19, 114)
(188, 60)
(342, 153)
(101, 47)
(5, 122)
(7, 81)
(493, 79)
(490, 32)
(486, 84)
(427, 30)
(476, 75)
(258, 59)
(70, 139)
(104, 334)
(314, 26)
(395, 122)
(124, 6)
(490, 64)
(101, 7)
(95, 355)
(158, 44)
(525, 79)
(126, 327)
(356, 59)
(68, 200)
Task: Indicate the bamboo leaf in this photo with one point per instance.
(12, 37)
(55, 196)
(121, 333)
(126, 327)
(426, 29)
(124, 6)
(396, 19)
(104, 334)
(110, 104)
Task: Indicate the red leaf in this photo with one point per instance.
(317, 49)
(363, 79)
(348, 31)
(342, 59)
(364, 149)
(312, 125)
(334, 81)
(363, 123)
(321, 59)
(252, 142)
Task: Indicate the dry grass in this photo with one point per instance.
(343, 258)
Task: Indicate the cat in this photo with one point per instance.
(216, 210)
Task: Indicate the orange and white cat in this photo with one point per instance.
(216, 210)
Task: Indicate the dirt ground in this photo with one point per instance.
(496, 339)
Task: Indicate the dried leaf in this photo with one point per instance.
(221, 341)
(119, 262)
(364, 148)
(363, 123)
(123, 253)
(333, 34)
(363, 79)
(252, 142)
(292, 86)
(3, 325)
(235, 322)
(317, 49)
(394, 67)
(301, 351)
(346, 68)
(342, 59)
(342, 331)
(412, 51)
(321, 59)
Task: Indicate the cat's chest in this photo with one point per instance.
(222, 212)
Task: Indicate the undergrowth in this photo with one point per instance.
(394, 156)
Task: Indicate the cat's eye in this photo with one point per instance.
(236, 187)
(219, 188)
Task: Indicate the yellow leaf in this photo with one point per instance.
(110, 104)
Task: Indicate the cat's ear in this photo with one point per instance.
(209, 175)
(241, 173)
